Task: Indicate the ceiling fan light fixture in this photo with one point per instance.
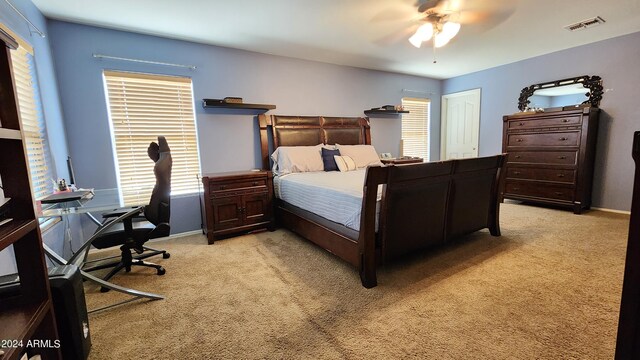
(415, 40)
(440, 40)
(450, 29)
(424, 33)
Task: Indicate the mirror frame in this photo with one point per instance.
(592, 83)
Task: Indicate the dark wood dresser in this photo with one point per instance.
(628, 342)
(551, 156)
(235, 202)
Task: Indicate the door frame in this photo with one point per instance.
(443, 118)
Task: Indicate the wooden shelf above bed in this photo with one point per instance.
(384, 112)
(216, 104)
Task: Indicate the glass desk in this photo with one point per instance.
(97, 201)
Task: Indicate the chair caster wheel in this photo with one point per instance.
(161, 271)
(166, 255)
(104, 289)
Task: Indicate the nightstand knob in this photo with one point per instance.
(560, 175)
(222, 187)
(255, 183)
(565, 120)
(519, 140)
(558, 193)
(521, 124)
(564, 138)
(517, 156)
(562, 157)
(516, 173)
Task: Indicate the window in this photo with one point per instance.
(415, 127)
(31, 117)
(141, 108)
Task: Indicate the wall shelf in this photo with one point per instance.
(384, 112)
(216, 104)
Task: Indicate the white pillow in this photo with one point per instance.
(292, 159)
(345, 163)
(363, 155)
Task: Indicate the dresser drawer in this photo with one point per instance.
(538, 190)
(543, 157)
(552, 121)
(569, 138)
(558, 175)
(231, 185)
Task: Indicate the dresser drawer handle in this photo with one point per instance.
(562, 157)
(558, 193)
(516, 173)
(565, 120)
(519, 140)
(521, 124)
(222, 187)
(517, 156)
(564, 138)
(255, 183)
(560, 175)
(516, 188)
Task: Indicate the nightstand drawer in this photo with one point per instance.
(552, 121)
(543, 157)
(569, 138)
(230, 185)
(239, 191)
(557, 175)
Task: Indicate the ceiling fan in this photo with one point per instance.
(442, 19)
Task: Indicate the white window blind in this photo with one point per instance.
(415, 127)
(141, 108)
(32, 119)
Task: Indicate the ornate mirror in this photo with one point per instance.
(573, 91)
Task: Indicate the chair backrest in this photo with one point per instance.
(158, 210)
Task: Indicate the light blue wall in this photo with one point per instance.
(48, 93)
(615, 60)
(227, 142)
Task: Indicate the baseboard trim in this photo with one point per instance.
(178, 235)
(612, 210)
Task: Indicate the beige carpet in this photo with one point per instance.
(549, 288)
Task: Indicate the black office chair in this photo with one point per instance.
(144, 222)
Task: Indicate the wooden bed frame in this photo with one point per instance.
(422, 205)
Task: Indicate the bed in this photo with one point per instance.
(403, 208)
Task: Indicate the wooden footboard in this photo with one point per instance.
(425, 205)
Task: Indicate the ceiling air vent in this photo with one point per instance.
(584, 24)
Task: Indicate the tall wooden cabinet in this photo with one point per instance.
(628, 342)
(551, 157)
(27, 323)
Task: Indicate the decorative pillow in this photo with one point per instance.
(292, 159)
(345, 163)
(363, 155)
(328, 160)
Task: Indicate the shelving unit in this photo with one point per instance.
(375, 113)
(28, 314)
(216, 104)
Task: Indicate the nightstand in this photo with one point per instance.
(402, 160)
(236, 202)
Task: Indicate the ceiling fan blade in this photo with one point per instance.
(397, 36)
(482, 21)
(427, 4)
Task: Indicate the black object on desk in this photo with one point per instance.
(66, 196)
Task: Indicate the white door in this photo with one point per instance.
(460, 125)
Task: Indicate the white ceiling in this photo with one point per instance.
(363, 33)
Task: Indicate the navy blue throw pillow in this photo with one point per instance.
(328, 160)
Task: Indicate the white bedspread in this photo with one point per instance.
(334, 195)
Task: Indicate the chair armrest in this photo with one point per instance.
(121, 211)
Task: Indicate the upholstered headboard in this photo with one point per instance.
(310, 130)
